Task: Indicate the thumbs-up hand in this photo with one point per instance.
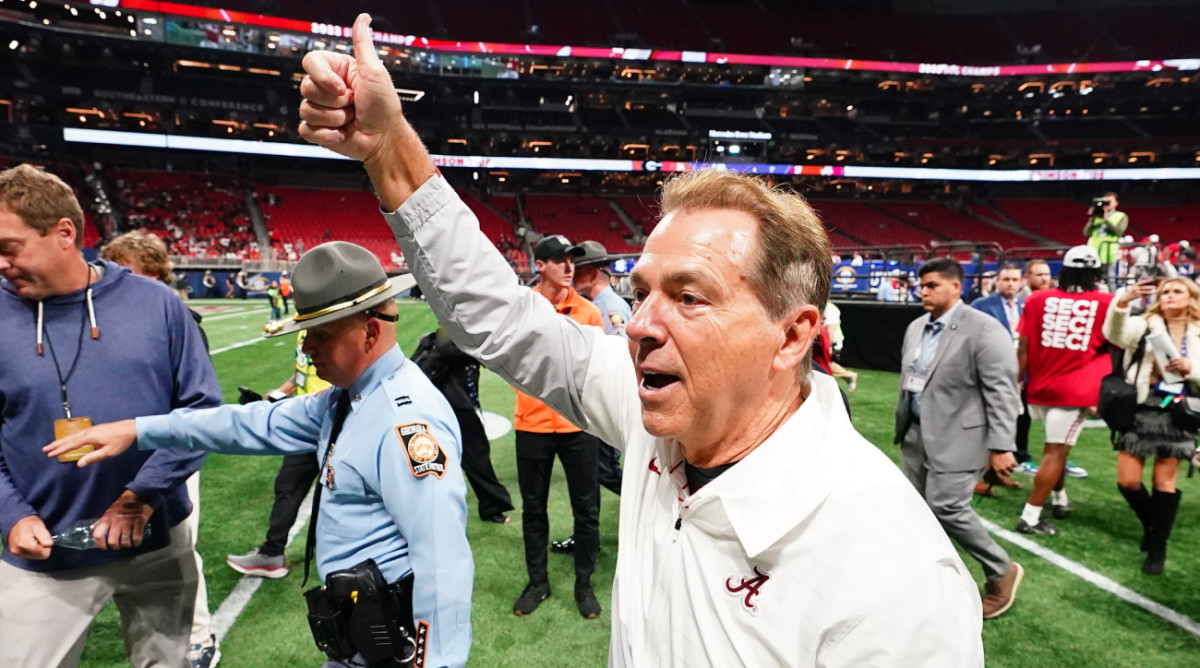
(350, 105)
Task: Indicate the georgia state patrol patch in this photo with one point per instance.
(425, 454)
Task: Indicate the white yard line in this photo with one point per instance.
(223, 316)
(232, 606)
(240, 344)
(1092, 577)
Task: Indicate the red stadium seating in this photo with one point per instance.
(873, 227)
(579, 218)
(1170, 223)
(956, 226)
(1060, 220)
(643, 211)
(305, 218)
(498, 229)
(195, 214)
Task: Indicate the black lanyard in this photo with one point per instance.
(62, 381)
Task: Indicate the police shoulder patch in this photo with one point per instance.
(425, 454)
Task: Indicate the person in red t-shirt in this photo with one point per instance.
(1063, 350)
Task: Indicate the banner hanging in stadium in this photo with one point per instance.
(621, 53)
(281, 149)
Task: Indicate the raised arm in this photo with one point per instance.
(351, 108)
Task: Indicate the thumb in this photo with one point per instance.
(42, 535)
(364, 47)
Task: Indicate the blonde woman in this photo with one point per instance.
(1175, 311)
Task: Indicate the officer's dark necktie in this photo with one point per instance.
(339, 418)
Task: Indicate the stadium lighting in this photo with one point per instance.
(150, 20)
(476, 96)
(734, 149)
(12, 46)
(256, 147)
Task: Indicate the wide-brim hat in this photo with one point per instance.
(335, 280)
(594, 252)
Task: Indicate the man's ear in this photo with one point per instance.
(374, 330)
(64, 232)
(800, 330)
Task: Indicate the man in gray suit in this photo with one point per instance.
(956, 415)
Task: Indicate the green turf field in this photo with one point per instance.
(1058, 620)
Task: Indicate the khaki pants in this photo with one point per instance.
(201, 618)
(44, 617)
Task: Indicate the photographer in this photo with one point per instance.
(1103, 231)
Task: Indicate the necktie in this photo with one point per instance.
(339, 418)
(934, 327)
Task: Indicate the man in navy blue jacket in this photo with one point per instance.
(1003, 304)
(94, 341)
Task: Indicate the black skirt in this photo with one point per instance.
(1155, 435)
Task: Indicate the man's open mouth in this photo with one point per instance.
(657, 381)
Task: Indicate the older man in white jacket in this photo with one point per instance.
(757, 527)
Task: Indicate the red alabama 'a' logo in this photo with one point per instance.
(748, 588)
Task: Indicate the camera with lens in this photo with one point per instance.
(1098, 207)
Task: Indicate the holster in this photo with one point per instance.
(358, 611)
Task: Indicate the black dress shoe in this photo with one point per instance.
(563, 546)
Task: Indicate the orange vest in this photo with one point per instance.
(285, 287)
(533, 415)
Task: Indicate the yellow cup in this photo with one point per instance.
(68, 426)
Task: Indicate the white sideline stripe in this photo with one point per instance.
(222, 316)
(240, 344)
(232, 606)
(1083, 572)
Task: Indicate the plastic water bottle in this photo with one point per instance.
(78, 536)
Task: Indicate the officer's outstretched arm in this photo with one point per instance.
(282, 428)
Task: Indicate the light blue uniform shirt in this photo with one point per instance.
(394, 489)
(929, 345)
(614, 311)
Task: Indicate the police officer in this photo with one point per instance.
(391, 487)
